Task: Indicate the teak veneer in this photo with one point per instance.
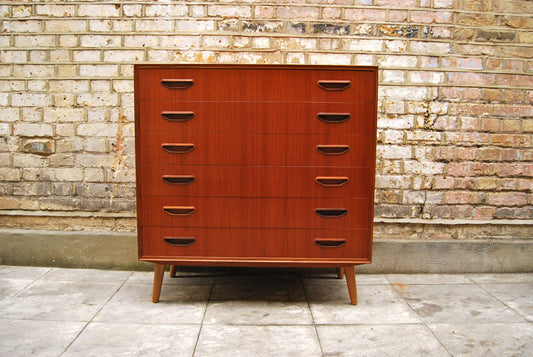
(255, 165)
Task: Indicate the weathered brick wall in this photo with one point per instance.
(455, 110)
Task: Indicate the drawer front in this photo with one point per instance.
(330, 182)
(256, 118)
(249, 84)
(213, 149)
(213, 212)
(219, 181)
(255, 243)
(328, 213)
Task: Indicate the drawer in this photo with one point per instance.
(330, 150)
(265, 83)
(330, 182)
(256, 118)
(219, 181)
(213, 212)
(328, 213)
(213, 149)
(173, 243)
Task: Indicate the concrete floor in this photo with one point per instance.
(250, 312)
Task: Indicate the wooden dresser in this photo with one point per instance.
(255, 165)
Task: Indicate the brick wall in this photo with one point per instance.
(455, 100)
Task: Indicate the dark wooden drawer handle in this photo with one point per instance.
(332, 149)
(177, 83)
(331, 180)
(178, 179)
(334, 84)
(330, 243)
(177, 148)
(179, 210)
(178, 116)
(333, 117)
(331, 212)
(180, 242)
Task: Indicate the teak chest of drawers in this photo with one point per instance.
(255, 165)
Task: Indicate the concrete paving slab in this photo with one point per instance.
(58, 300)
(16, 272)
(380, 341)
(378, 304)
(9, 287)
(95, 275)
(113, 339)
(361, 279)
(487, 340)
(501, 278)
(179, 304)
(414, 279)
(456, 304)
(518, 297)
(221, 340)
(144, 277)
(38, 338)
(258, 302)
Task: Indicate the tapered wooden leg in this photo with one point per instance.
(340, 272)
(352, 287)
(158, 281)
(172, 271)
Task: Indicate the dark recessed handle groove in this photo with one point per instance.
(332, 149)
(178, 148)
(177, 83)
(178, 179)
(179, 210)
(331, 180)
(330, 243)
(334, 84)
(331, 212)
(333, 117)
(180, 242)
(177, 116)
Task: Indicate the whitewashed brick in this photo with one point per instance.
(423, 168)
(95, 10)
(426, 77)
(68, 40)
(32, 114)
(4, 99)
(95, 144)
(66, 130)
(4, 11)
(330, 58)
(22, 26)
(93, 175)
(229, 11)
(396, 46)
(59, 56)
(197, 10)
(64, 100)
(430, 47)
(394, 152)
(9, 114)
(35, 41)
(63, 115)
(363, 60)
(414, 197)
(13, 56)
(166, 10)
(122, 25)
(407, 93)
(65, 26)
(123, 56)
(38, 56)
(289, 43)
(154, 26)
(215, 41)
(97, 129)
(9, 174)
(97, 99)
(87, 56)
(100, 86)
(100, 25)
(393, 76)
(37, 85)
(55, 10)
(365, 45)
(404, 122)
(181, 42)
(66, 70)
(100, 41)
(126, 70)
(31, 100)
(21, 11)
(160, 55)
(261, 42)
(141, 41)
(195, 26)
(392, 136)
(132, 10)
(32, 129)
(103, 70)
(5, 129)
(397, 61)
(195, 56)
(63, 174)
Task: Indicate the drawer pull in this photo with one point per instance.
(178, 116)
(332, 149)
(180, 242)
(331, 212)
(330, 243)
(177, 83)
(178, 180)
(179, 210)
(332, 118)
(331, 180)
(178, 148)
(334, 85)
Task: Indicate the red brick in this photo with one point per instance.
(493, 63)
(397, 16)
(512, 126)
(468, 138)
(466, 169)
(510, 155)
(396, 3)
(472, 94)
(507, 110)
(468, 153)
(445, 154)
(511, 140)
(429, 17)
(513, 96)
(507, 199)
(470, 109)
(444, 183)
(463, 212)
(527, 125)
(488, 154)
(472, 78)
(451, 93)
(492, 95)
(509, 184)
(493, 125)
(470, 124)
(445, 123)
(525, 185)
(515, 169)
(513, 80)
(463, 197)
(484, 212)
(517, 65)
(365, 14)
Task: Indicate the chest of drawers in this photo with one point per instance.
(255, 165)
